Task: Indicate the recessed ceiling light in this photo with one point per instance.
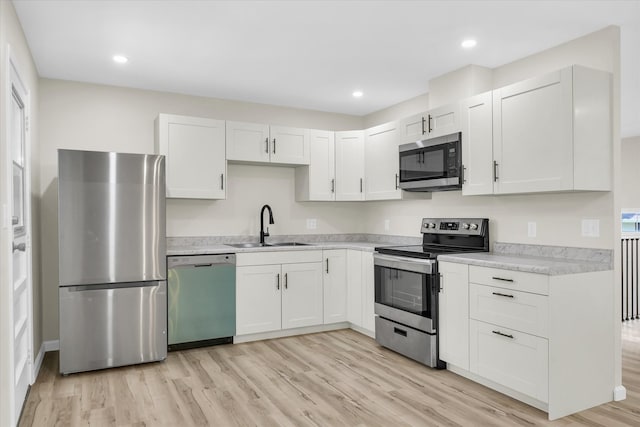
(357, 94)
(120, 59)
(468, 43)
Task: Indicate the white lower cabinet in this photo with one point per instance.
(535, 337)
(511, 358)
(334, 284)
(361, 290)
(272, 294)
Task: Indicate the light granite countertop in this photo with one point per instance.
(226, 249)
(529, 264)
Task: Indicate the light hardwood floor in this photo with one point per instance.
(339, 378)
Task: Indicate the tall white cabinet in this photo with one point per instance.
(476, 125)
(382, 163)
(350, 172)
(195, 156)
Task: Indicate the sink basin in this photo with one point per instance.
(289, 244)
(247, 245)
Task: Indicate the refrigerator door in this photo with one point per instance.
(102, 326)
(111, 217)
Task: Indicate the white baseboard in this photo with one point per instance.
(363, 331)
(619, 393)
(53, 345)
(289, 332)
(37, 364)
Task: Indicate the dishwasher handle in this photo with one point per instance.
(191, 261)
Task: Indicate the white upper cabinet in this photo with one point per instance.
(317, 182)
(255, 142)
(477, 141)
(350, 165)
(381, 163)
(553, 133)
(435, 122)
(195, 154)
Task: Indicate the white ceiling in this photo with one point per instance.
(310, 54)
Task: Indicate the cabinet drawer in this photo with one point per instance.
(407, 341)
(522, 311)
(278, 257)
(510, 358)
(509, 279)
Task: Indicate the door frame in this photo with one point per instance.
(14, 79)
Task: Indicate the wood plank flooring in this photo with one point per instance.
(339, 378)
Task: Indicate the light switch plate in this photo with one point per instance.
(590, 228)
(312, 224)
(532, 229)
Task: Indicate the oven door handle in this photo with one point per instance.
(403, 263)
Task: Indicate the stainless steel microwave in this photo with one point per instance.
(432, 164)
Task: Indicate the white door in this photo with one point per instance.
(258, 301)
(334, 285)
(476, 124)
(289, 146)
(196, 160)
(322, 166)
(412, 128)
(301, 295)
(20, 264)
(350, 165)
(248, 142)
(381, 163)
(443, 120)
(533, 133)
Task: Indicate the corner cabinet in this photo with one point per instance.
(553, 133)
(531, 336)
(278, 290)
(256, 142)
(382, 163)
(349, 146)
(195, 154)
(317, 182)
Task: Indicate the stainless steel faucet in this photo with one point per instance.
(264, 234)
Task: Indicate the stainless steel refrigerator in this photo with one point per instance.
(112, 259)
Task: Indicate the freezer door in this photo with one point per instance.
(111, 217)
(102, 326)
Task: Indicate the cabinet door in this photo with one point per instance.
(258, 303)
(454, 314)
(248, 142)
(350, 165)
(289, 145)
(335, 285)
(412, 129)
(322, 165)
(510, 358)
(532, 135)
(368, 287)
(382, 163)
(195, 154)
(354, 287)
(443, 120)
(476, 125)
(301, 295)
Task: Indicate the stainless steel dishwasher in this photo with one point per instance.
(201, 300)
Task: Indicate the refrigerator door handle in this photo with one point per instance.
(103, 286)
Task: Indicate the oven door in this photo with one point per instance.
(432, 163)
(406, 291)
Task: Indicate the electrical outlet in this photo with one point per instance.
(531, 229)
(312, 224)
(590, 228)
(387, 224)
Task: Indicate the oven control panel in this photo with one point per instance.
(472, 226)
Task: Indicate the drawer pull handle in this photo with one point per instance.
(400, 332)
(502, 334)
(501, 279)
(502, 295)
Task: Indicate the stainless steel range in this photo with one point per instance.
(407, 285)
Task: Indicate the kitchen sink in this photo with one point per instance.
(289, 244)
(247, 245)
